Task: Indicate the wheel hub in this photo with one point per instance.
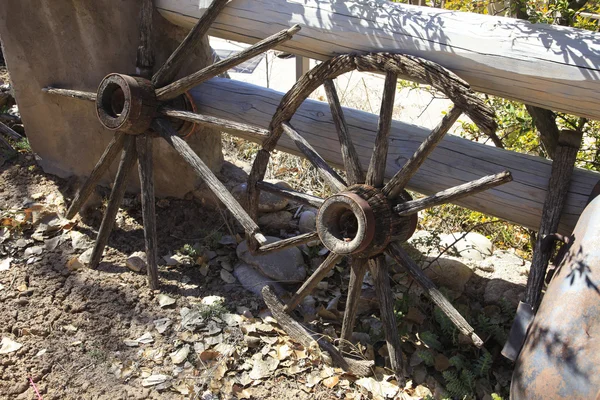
(126, 103)
(360, 221)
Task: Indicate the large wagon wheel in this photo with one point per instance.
(138, 106)
(365, 219)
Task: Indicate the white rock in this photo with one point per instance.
(154, 380)
(80, 241)
(165, 301)
(212, 300)
(5, 264)
(86, 256)
(473, 245)
(136, 261)
(180, 355)
(9, 346)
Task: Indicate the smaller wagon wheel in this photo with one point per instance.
(365, 219)
(140, 107)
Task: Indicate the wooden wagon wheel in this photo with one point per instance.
(138, 106)
(365, 219)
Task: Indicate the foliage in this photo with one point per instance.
(22, 145)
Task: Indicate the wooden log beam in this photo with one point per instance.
(454, 161)
(553, 67)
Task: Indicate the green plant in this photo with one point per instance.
(192, 251)
(215, 309)
(22, 145)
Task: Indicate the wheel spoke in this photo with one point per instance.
(145, 169)
(290, 194)
(452, 194)
(379, 272)
(116, 197)
(75, 94)
(376, 171)
(312, 281)
(285, 243)
(182, 85)
(216, 186)
(349, 154)
(183, 52)
(357, 274)
(248, 130)
(145, 55)
(399, 181)
(8, 131)
(107, 158)
(395, 251)
(336, 183)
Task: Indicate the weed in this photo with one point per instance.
(22, 145)
(213, 310)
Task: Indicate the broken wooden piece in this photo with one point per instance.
(310, 340)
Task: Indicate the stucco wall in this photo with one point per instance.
(74, 44)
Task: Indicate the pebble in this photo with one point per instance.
(136, 261)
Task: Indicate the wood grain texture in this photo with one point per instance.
(180, 86)
(75, 94)
(216, 186)
(396, 251)
(309, 285)
(562, 169)
(290, 242)
(380, 273)
(143, 144)
(145, 53)
(207, 120)
(299, 197)
(310, 340)
(548, 66)
(106, 159)
(358, 269)
(454, 161)
(376, 171)
(350, 158)
(7, 131)
(453, 194)
(399, 181)
(335, 182)
(177, 60)
(128, 158)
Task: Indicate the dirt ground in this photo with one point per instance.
(94, 334)
(72, 324)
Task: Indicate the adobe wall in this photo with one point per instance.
(74, 44)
